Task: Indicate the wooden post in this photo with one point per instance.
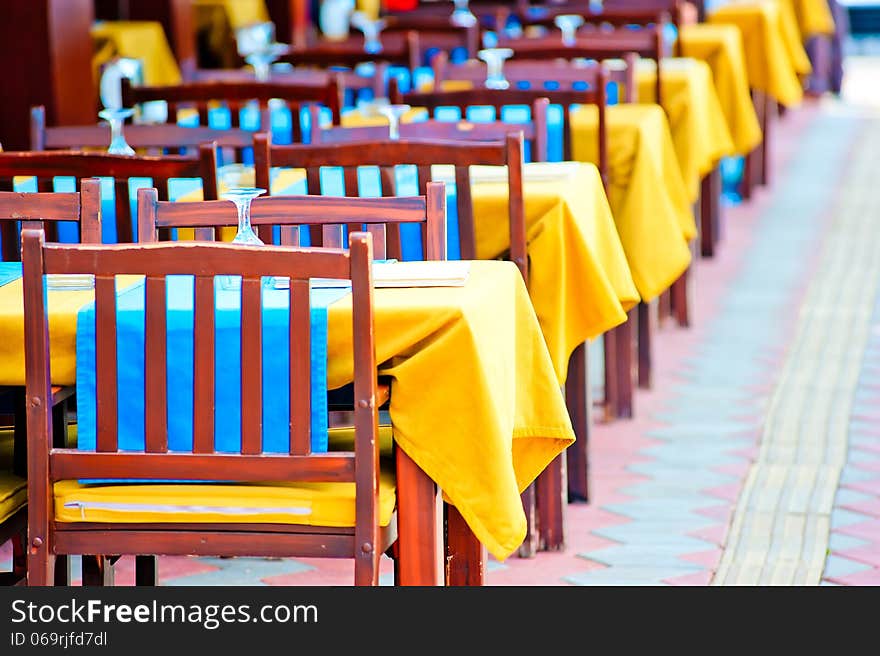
(293, 20)
(47, 47)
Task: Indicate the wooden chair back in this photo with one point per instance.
(423, 153)
(436, 32)
(499, 98)
(20, 211)
(153, 139)
(534, 132)
(235, 95)
(46, 165)
(47, 465)
(402, 48)
(598, 45)
(378, 216)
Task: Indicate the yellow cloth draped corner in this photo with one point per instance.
(579, 279)
(355, 118)
(696, 120)
(814, 17)
(474, 398)
(236, 13)
(769, 61)
(721, 47)
(794, 40)
(144, 40)
(646, 192)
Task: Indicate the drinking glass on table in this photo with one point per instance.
(494, 58)
(242, 197)
(462, 14)
(568, 24)
(116, 117)
(371, 29)
(393, 113)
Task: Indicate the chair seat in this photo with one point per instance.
(13, 494)
(310, 504)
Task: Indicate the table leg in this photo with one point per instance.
(646, 318)
(465, 555)
(623, 357)
(529, 547)
(146, 571)
(710, 212)
(551, 493)
(769, 116)
(579, 402)
(610, 391)
(419, 528)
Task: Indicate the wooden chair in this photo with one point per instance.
(236, 95)
(23, 211)
(499, 98)
(402, 48)
(422, 153)
(49, 537)
(598, 45)
(45, 165)
(534, 132)
(436, 33)
(152, 139)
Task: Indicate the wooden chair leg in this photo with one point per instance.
(465, 555)
(146, 571)
(646, 320)
(680, 304)
(97, 571)
(579, 402)
(19, 555)
(551, 493)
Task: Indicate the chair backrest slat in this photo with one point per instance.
(251, 365)
(300, 369)
(155, 368)
(203, 365)
(106, 391)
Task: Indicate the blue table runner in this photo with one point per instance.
(275, 349)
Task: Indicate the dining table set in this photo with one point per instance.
(493, 211)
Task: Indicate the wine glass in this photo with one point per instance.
(494, 58)
(262, 59)
(393, 113)
(242, 197)
(115, 117)
(371, 29)
(462, 15)
(568, 23)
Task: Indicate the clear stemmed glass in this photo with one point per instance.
(116, 117)
(462, 14)
(371, 29)
(242, 197)
(262, 59)
(393, 113)
(494, 58)
(568, 23)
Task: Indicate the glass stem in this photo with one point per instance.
(393, 128)
(244, 215)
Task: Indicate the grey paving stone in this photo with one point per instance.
(656, 534)
(657, 555)
(627, 576)
(841, 517)
(837, 566)
(843, 542)
(856, 475)
(242, 571)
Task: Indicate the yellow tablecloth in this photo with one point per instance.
(236, 13)
(721, 47)
(144, 40)
(814, 17)
(580, 282)
(579, 279)
(474, 399)
(769, 61)
(646, 192)
(696, 120)
(794, 40)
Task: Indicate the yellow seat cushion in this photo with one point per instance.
(312, 504)
(342, 439)
(13, 489)
(13, 494)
